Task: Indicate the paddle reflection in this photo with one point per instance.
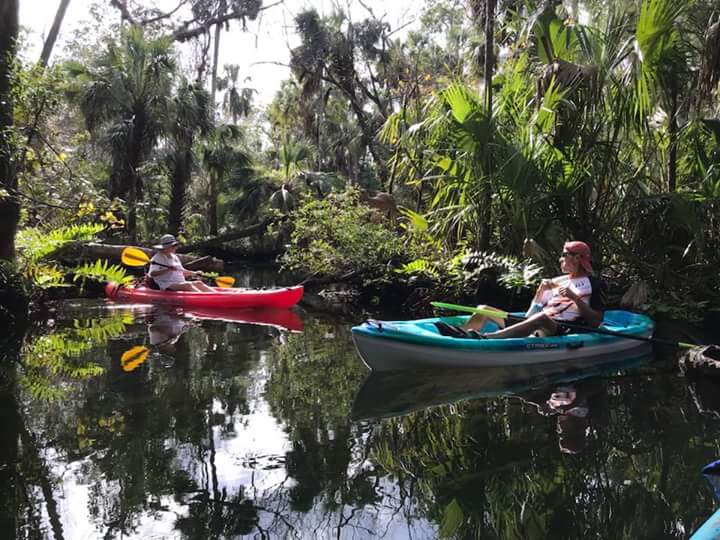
(166, 326)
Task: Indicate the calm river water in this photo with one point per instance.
(128, 422)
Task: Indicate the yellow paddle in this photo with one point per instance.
(133, 256)
(132, 358)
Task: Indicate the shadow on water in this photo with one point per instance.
(131, 422)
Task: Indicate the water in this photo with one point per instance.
(136, 423)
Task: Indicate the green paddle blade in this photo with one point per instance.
(490, 312)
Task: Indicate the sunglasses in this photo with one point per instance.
(568, 254)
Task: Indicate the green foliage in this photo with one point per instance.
(56, 355)
(102, 270)
(37, 247)
(338, 236)
(36, 244)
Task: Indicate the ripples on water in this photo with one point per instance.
(139, 423)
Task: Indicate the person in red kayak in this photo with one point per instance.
(576, 296)
(167, 271)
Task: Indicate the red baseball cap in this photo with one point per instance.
(582, 251)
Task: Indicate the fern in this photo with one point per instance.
(102, 270)
(419, 266)
(53, 358)
(36, 244)
(512, 273)
(45, 276)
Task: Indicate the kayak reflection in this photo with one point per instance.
(166, 325)
(395, 393)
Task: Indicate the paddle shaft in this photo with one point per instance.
(174, 267)
(505, 315)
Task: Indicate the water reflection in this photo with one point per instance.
(387, 394)
(249, 427)
(570, 405)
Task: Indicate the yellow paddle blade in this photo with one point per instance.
(225, 281)
(132, 358)
(134, 257)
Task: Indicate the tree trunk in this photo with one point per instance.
(132, 209)
(92, 251)
(9, 203)
(222, 8)
(488, 74)
(213, 204)
(54, 31)
(672, 134)
(135, 159)
(180, 181)
(252, 230)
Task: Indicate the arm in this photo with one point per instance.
(592, 316)
(186, 273)
(539, 300)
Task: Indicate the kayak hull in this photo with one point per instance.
(282, 298)
(395, 345)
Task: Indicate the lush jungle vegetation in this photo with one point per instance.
(457, 154)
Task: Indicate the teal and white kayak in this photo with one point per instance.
(393, 345)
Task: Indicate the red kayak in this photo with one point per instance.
(220, 299)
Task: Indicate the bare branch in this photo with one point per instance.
(167, 15)
(185, 32)
(124, 11)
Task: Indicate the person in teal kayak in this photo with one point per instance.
(167, 271)
(575, 297)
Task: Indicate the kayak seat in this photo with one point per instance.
(150, 283)
(457, 332)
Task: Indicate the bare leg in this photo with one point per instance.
(539, 321)
(478, 320)
(189, 286)
(202, 287)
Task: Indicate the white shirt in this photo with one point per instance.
(165, 329)
(168, 278)
(564, 309)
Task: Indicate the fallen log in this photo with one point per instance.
(258, 228)
(93, 251)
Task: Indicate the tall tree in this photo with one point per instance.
(222, 156)
(351, 58)
(9, 203)
(191, 113)
(124, 95)
(53, 34)
(222, 8)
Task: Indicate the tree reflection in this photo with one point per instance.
(490, 468)
(170, 442)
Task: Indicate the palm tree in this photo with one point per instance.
(191, 113)
(124, 96)
(237, 101)
(222, 157)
